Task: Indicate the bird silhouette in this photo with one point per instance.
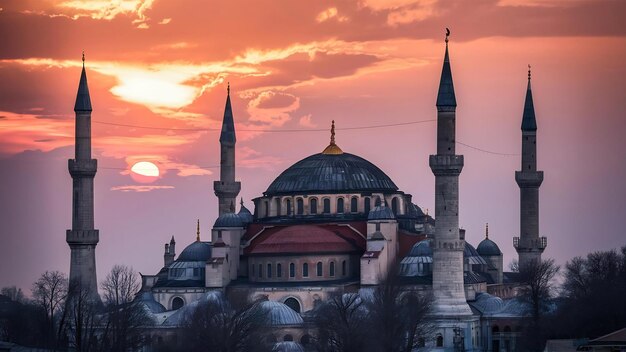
(447, 31)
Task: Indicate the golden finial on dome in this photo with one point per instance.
(332, 149)
(198, 231)
(487, 231)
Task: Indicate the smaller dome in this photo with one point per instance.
(228, 220)
(245, 215)
(287, 346)
(472, 256)
(487, 303)
(195, 252)
(487, 248)
(414, 211)
(421, 249)
(147, 300)
(381, 212)
(280, 314)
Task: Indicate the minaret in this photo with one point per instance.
(529, 245)
(227, 189)
(448, 243)
(83, 238)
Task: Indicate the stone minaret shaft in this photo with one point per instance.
(529, 245)
(227, 189)
(82, 238)
(448, 245)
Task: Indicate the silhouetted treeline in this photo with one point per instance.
(593, 298)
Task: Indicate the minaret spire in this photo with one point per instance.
(529, 245)
(227, 189)
(83, 237)
(450, 302)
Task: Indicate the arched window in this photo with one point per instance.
(367, 206)
(267, 208)
(293, 304)
(305, 270)
(495, 328)
(340, 205)
(320, 269)
(300, 206)
(313, 205)
(252, 269)
(332, 269)
(277, 201)
(260, 270)
(269, 270)
(305, 340)
(288, 337)
(394, 205)
(343, 268)
(177, 303)
(354, 205)
(377, 202)
(292, 270)
(326, 206)
(288, 204)
(439, 341)
(279, 270)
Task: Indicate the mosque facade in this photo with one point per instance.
(333, 223)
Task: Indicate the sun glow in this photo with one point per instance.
(146, 169)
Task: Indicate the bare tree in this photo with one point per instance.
(81, 318)
(399, 316)
(537, 284)
(594, 288)
(120, 285)
(342, 324)
(124, 318)
(49, 292)
(537, 290)
(216, 326)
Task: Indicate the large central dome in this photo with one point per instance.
(331, 173)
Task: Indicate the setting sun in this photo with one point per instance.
(144, 172)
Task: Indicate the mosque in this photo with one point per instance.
(332, 223)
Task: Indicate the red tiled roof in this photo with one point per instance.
(329, 238)
(406, 241)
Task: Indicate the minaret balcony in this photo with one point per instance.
(227, 189)
(82, 237)
(80, 167)
(529, 244)
(446, 165)
(528, 179)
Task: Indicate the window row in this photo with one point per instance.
(268, 271)
(314, 207)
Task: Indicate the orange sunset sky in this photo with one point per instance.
(158, 70)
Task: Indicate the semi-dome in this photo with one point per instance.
(488, 248)
(381, 212)
(287, 346)
(147, 300)
(197, 251)
(331, 173)
(421, 249)
(279, 314)
(488, 304)
(472, 256)
(228, 220)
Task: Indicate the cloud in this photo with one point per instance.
(251, 159)
(539, 3)
(272, 108)
(19, 132)
(330, 13)
(107, 9)
(412, 13)
(139, 188)
(305, 121)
